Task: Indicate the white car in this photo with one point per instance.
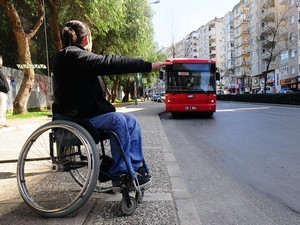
(286, 91)
(269, 90)
(161, 97)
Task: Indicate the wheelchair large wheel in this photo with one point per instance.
(45, 164)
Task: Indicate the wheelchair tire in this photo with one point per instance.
(128, 210)
(45, 161)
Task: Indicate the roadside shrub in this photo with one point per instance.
(290, 99)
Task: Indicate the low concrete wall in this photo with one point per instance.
(41, 95)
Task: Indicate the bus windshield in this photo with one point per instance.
(190, 77)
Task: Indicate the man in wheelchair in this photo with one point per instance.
(79, 92)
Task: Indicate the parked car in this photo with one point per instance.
(269, 90)
(161, 97)
(286, 91)
(154, 97)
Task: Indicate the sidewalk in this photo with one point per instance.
(166, 202)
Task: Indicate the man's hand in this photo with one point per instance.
(157, 65)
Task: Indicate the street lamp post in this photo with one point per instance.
(135, 92)
(138, 75)
(155, 2)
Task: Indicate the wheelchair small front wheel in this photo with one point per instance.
(128, 209)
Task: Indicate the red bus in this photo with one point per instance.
(190, 85)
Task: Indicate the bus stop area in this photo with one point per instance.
(166, 202)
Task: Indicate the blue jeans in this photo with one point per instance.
(128, 130)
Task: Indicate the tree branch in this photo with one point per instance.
(39, 21)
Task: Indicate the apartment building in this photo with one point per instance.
(255, 45)
(227, 70)
(191, 45)
(176, 50)
(288, 70)
(241, 46)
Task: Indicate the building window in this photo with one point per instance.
(284, 55)
(292, 19)
(293, 53)
(292, 3)
(284, 70)
(293, 70)
(292, 36)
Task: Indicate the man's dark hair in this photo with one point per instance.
(74, 32)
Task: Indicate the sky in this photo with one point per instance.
(178, 18)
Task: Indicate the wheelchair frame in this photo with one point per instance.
(59, 165)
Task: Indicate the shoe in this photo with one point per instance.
(142, 171)
(141, 181)
(106, 163)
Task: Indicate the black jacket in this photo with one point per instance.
(4, 86)
(77, 90)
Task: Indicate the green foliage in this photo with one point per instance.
(122, 27)
(8, 44)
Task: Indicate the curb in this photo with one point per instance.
(186, 210)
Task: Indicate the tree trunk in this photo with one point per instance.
(115, 90)
(127, 89)
(21, 100)
(56, 30)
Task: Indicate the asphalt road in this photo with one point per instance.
(242, 166)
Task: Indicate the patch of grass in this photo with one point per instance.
(46, 112)
(10, 116)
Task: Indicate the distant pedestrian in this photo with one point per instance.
(4, 89)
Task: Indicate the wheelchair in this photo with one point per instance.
(59, 168)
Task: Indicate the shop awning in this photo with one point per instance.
(288, 81)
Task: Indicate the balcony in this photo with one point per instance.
(267, 3)
(213, 52)
(283, 2)
(212, 24)
(245, 52)
(267, 30)
(245, 31)
(245, 43)
(246, 63)
(268, 44)
(266, 56)
(212, 44)
(212, 37)
(268, 15)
